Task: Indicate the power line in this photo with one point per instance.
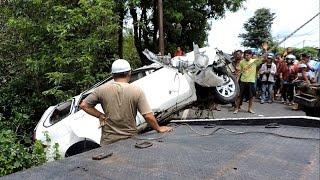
(299, 28)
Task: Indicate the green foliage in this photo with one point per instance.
(258, 29)
(130, 52)
(15, 156)
(56, 154)
(50, 51)
(185, 22)
(298, 51)
(307, 50)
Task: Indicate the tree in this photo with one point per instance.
(185, 22)
(307, 50)
(49, 51)
(258, 29)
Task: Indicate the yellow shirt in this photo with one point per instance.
(248, 70)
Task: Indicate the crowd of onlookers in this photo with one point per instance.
(269, 77)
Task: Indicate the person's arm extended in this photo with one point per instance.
(258, 61)
(90, 109)
(149, 117)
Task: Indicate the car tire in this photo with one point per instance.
(81, 147)
(227, 93)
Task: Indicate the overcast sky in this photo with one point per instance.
(290, 14)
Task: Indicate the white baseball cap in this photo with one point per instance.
(119, 66)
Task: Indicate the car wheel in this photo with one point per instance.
(81, 147)
(227, 93)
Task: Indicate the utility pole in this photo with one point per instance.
(161, 38)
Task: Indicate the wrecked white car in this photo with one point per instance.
(170, 85)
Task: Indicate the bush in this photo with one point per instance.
(15, 156)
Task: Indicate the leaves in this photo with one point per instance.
(15, 156)
(258, 28)
(185, 22)
(49, 51)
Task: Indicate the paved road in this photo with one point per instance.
(261, 110)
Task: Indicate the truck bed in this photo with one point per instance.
(286, 152)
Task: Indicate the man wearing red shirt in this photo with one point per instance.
(179, 52)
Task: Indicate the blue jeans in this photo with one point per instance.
(267, 91)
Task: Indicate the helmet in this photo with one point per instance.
(120, 66)
(302, 65)
(270, 56)
(290, 58)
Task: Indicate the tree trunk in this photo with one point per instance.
(145, 33)
(137, 40)
(155, 25)
(121, 12)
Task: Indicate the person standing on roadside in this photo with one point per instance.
(179, 52)
(278, 84)
(237, 57)
(248, 71)
(268, 71)
(287, 74)
(120, 102)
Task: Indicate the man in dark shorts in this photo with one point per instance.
(248, 74)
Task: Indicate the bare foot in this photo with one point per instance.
(250, 111)
(236, 111)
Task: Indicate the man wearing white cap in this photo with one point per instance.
(120, 102)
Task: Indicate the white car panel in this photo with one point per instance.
(169, 88)
(165, 88)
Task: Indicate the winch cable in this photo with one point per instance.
(225, 129)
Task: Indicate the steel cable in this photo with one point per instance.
(228, 130)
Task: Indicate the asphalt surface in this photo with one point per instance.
(261, 110)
